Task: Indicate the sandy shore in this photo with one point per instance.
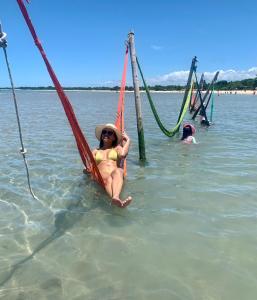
(233, 92)
(236, 92)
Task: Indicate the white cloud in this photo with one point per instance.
(111, 83)
(232, 75)
(177, 77)
(156, 47)
(180, 77)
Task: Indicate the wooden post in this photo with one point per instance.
(140, 130)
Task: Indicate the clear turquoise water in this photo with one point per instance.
(190, 232)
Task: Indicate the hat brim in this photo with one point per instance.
(99, 129)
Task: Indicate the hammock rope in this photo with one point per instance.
(23, 151)
(183, 109)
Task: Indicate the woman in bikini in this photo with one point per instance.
(109, 156)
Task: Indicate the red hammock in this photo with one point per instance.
(83, 147)
(119, 123)
(193, 99)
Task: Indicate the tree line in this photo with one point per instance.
(245, 84)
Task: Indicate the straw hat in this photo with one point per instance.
(191, 126)
(99, 129)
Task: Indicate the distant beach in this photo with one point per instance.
(234, 92)
(225, 92)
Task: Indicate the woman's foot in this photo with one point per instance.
(121, 203)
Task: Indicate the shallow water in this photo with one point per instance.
(190, 232)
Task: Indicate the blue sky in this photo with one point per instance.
(84, 40)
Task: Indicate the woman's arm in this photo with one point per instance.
(194, 140)
(123, 150)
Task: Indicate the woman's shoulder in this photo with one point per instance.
(189, 140)
(96, 150)
(118, 149)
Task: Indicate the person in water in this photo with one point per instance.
(109, 157)
(188, 132)
(203, 121)
(202, 118)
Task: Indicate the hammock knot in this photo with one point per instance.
(23, 151)
(37, 42)
(3, 42)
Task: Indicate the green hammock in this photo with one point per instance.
(207, 96)
(183, 110)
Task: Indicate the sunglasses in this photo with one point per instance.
(107, 132)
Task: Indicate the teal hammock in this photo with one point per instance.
(183, 109)
(212, 104)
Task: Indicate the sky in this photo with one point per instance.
(85, 40)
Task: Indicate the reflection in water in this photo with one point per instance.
(64, 220)
(179, 240)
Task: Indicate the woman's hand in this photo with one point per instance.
(125, 137)
(124, 147)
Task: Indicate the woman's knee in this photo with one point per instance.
(108, 180)
(118, 172)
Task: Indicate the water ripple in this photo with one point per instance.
(189, 234)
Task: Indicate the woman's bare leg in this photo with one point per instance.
(117, 183)
(108, 185)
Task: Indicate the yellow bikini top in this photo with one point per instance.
(112, 155)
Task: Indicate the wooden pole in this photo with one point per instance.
(140, 130)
